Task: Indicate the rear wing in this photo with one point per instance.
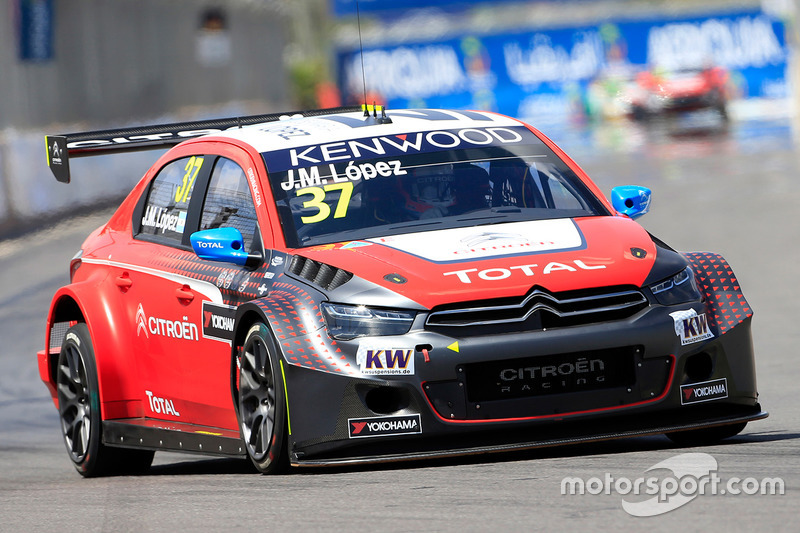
(60, 148)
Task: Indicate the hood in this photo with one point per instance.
(500, 260)
(683, 86)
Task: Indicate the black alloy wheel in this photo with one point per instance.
(262, 402)
(79, 411)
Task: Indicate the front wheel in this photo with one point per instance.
(261, 402)
(79, 411)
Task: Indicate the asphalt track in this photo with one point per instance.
(735, 192)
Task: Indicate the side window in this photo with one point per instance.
(556, 188)
(229, 203)
(167, 204)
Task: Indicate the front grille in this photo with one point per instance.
(550, 374)
(320, 274)
(541, 309)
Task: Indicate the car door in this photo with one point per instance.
(162, 304)
(228, 202)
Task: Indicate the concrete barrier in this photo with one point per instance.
(30, 196)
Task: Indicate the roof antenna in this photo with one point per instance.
(361, 50)
(383, 119)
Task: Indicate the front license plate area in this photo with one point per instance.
(550, 374)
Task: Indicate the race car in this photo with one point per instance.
(660, 93)
(353, 285)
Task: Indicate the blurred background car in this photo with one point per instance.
(657, 92)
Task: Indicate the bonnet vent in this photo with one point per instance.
(320, 274)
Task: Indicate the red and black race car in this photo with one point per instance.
(352, 286)
(658, 93)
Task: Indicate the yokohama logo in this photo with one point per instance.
(704, 392)
(384, 426)
(218, 321)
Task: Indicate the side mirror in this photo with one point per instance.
(631, 200)
(224, 245)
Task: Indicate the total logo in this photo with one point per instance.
(209, 245)
(174, 329)
(384, 426)
(494, 274)
(161, 406)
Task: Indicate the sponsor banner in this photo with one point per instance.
(161, 406)
(336, 158)
(174, 329)
(468, 244)
(691, 327)
(551, 75)
(384, 426)
(352, 7)
(469, 275)
(552, 374)
(704, 392)
(381, 361)
(218, 321)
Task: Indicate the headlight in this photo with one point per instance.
(349, 321)
(678, 289)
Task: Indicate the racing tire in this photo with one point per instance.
(79, 412)
(705, 436)
(261, 402)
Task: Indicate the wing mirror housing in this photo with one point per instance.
(631, 200)
(224, 245)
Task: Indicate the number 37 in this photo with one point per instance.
(318, 201)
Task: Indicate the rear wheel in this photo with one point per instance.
(79, 411)
(705, 436)
(261, 402)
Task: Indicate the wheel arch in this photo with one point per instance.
(82, 302)
(725, 301)
(64, 308)
(246, 315)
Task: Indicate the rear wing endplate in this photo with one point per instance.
(60, 148)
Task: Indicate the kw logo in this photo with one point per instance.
(691, 327)
(378, 361)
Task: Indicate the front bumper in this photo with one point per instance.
(565, 385)
(546, 436)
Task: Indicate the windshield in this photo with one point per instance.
(423, 181)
